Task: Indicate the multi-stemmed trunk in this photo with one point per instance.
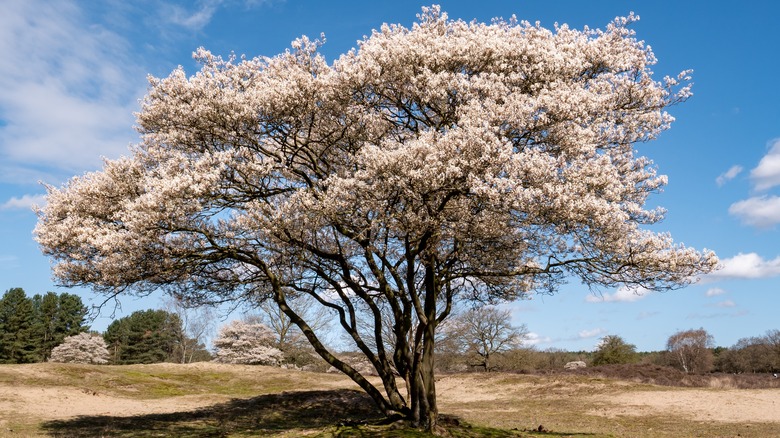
(413, 361)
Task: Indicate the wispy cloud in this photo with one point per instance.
(25, 202)
(714, 292)
(728, 175)
(646, 315)
(592, 333)
(721, 315)
(67, 89)
(624, 295)
(726, 304)
(196, 19)
(746, 266)
(767, 174)
(536, 339)
(761, 212)
(9, 262)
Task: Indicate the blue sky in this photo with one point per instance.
(72, 72)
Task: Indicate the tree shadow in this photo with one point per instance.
(257, 416)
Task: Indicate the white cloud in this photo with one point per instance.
(624, 294)
(26, 202)
(68, 88)
(193, 20)
(728, 175)
(592, 333)
(746, 266)
(535, 339)
(726, 303)
(715, 291)
(761, 212)
(201, 16)
(767, 174)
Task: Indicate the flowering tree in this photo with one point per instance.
(450, 161)
(247, 342)
(81, 348)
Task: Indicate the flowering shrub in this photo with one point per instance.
(81, 348)
(246, 343)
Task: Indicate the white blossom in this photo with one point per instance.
(445, 161)
(85, 348)
(248, 343)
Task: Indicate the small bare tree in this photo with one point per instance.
(690, 349)
(81, 348)
(197, 324)
(485, 331)
(289, 336)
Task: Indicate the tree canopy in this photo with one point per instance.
(444, 162)
(17, 325)
(31, 327)
(613, 349)
(691, 350)
(145, 336)
(81, 348)
(247, 342)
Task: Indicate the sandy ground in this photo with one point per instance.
(720, 405)
(61, 403)
(730, 405)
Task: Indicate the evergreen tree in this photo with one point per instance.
(17, 320)
(46, 313)
(57, 317)
(146, 336)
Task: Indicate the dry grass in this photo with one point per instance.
(227, 400)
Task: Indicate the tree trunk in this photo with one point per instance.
(429, 411)
(389, 407)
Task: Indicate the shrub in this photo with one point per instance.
(81, 348)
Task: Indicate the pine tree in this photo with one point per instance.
(17, 320)
(56, 317)
(146, 336)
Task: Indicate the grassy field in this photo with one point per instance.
(210, 400)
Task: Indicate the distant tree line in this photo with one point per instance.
(52, 327)
(31, 327)
(759, 354)
(151, 336)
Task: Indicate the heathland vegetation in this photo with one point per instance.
(39, 329)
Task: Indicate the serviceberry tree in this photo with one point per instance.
(444, 162)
